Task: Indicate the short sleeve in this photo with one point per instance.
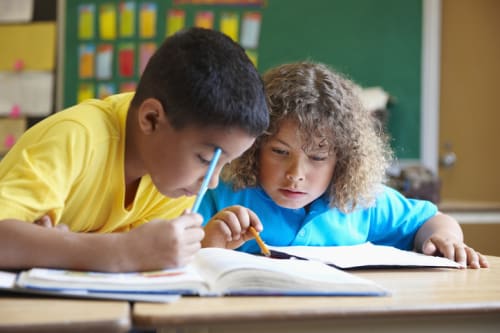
(395, 219)
(36, 175)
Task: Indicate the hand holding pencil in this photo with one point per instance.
(231, 227)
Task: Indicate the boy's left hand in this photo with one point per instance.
(449, 247)
(46, 222)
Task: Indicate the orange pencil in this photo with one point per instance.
(260, 242)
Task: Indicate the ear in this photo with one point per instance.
(151, 115)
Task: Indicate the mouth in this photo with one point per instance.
(293, 194)
(188, 193)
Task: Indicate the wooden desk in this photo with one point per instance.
(31, 314)
(422, 300)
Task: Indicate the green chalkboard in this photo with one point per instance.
(374, 42)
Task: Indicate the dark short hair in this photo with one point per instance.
(203, 78)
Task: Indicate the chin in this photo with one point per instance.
(172, 193)
(289, 205)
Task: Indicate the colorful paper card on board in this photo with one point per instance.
(85, 91)
(105, 89)
(107, 21)
(11, 130)
(260, 3)
(229, 22)
(146, 50)
(147, 20)
(253, 57)
(127, 19)
(86, 61)
(104, 62)
(204, 19)
(86, 14)
(250, 30)
(128, 86)
(176, 20)
(126, 55)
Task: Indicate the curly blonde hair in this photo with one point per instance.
(324, 104)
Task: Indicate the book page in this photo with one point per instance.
(7, 279)
(233, 272)
(182, 280)
(364, 255)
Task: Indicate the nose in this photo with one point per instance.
(214, 181)
(295, 171)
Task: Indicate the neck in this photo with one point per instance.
(132, 165)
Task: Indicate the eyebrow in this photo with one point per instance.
(280, 141)
(213, 146)
(321, 147)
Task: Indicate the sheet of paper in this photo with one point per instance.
(176, 20)
(229, 23)
(204, 19)
(365, 255)
(16, 11)
(147, 20)
(107, 21)
(250, 30)
(33, 44)
(127, 19)
(30, 91)
(7, 279)
(86, 13)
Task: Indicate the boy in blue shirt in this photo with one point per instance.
(316, 178)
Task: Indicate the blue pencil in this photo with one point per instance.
(206, 180)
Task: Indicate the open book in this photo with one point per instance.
(214, 272)
(365, 255)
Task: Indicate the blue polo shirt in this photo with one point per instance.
(393, 220)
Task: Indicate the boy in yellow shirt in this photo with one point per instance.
(131, 162)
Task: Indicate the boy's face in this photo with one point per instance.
(292, 177)
(177, 160)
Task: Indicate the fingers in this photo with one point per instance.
(193, 235)
(255, 221)
(44, 221)
(476, 259)
(235, 221)
(188, 228)
(429, 248)
(229, 228)
(238, 219)
(189, 220)
(454, 250)
(471, 257)
(62, 227)
(483, 262)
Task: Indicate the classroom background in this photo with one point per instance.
(428, 69)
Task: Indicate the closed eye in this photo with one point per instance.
(203, 160)
(318, 158)
(279, 151)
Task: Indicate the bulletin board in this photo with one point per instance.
(376, 43)
(108, 42)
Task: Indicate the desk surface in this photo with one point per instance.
(430, 299)
(32, 314)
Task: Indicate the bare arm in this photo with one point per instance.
(154, 245)
(442, 235)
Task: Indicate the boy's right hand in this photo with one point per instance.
(161, 244)
(229, 228)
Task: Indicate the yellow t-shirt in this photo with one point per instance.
(71, 166)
